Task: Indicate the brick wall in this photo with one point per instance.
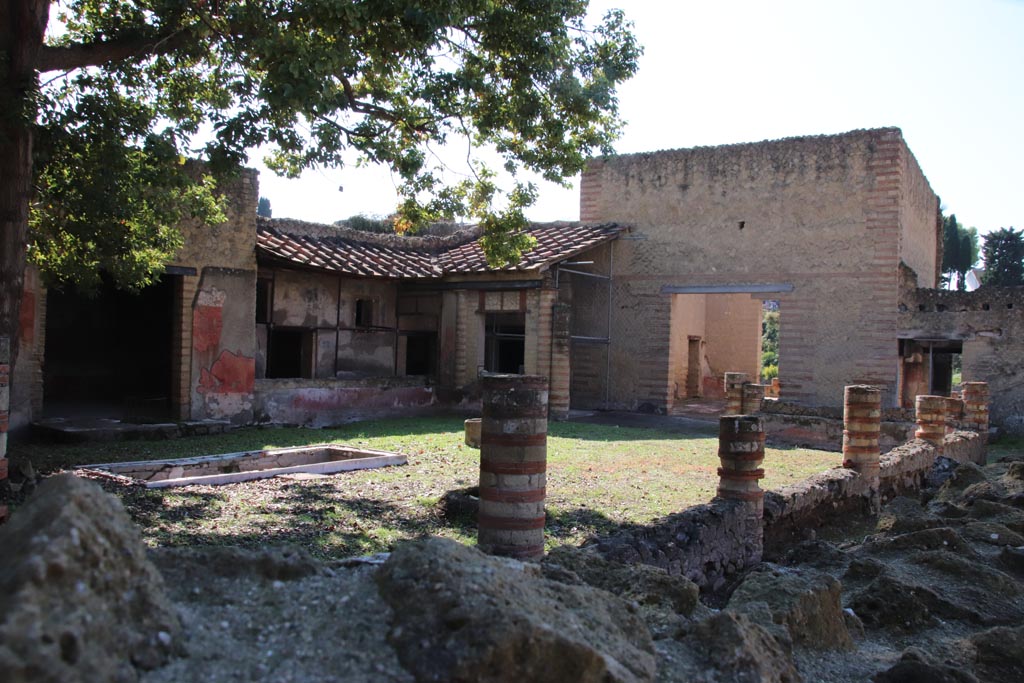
(990, 323)
(822, 214)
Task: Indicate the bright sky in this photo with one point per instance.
(949, 73)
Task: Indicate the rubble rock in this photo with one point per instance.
(999, 654)
(965, 475)
(898, 605)
(1009, 516)
(941, 471)
(1015, 471)
(647, 585)
(740, 650)
(79, 600)
(916, 667)
(904, 515)
(973, 573)
(947, 510)
(941, 538)
(1012, 559)
(460, 615)
(991, 533)
(863, 568)
(815, 553)
(806, 601)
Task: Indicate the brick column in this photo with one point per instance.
(741, 452)
(931, 420)
(954, 413)
(752, 394)
(734, 382)
(513, 465)
(5, 411)
(862, 424)
(976, 407)
(559, 397)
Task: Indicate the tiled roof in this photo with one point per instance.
(346, 256)
(555, 241)
(381, 256)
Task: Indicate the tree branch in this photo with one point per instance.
(68, 57)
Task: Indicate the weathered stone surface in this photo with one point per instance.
(915, 666)
(903, 515)
(279, 564)
(965, 476)
(992, 533)
(999, 654)
(741, 650)
(644, 584)
(942, 538)
(1012, 559)
(806, 601)
(893, 603)
(79, 600)
(460, 615)
(974, 574)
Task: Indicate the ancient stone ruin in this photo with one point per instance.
(739, 589)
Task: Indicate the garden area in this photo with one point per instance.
(601, 477)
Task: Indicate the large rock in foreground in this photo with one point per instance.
(806, 601)
(460, 615)
(79, 600)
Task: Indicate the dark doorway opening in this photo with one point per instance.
(421, 354)
(110, 355)
(505, 343)
(694, 376)
(290, 353)
(928, 366)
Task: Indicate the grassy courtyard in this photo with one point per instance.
(599, 478)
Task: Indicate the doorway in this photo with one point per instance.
(109, 353)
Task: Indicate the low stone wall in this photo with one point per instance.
(838, 492)
(826, 433)
(325, 402)
(708, 543)
(705, 543)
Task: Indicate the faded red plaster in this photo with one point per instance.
(231, 373)
(207, 324)
(27, 318)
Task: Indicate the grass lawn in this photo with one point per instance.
(599, 478)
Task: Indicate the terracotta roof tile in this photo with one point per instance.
(346, 256)
(555, 241)
(381, 257)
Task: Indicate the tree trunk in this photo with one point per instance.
(22, 25)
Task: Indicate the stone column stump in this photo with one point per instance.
(954, 414)
(862, 425)
(513, 465)
(975, 396)
(931, 420)
(734, 382)
(741, 452)
(472, 428)
(752, 395)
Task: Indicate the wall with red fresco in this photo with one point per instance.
(223, 367)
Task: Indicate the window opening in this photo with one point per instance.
(421, 354)
(364, 313)
(505, 343)
(290, 353)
